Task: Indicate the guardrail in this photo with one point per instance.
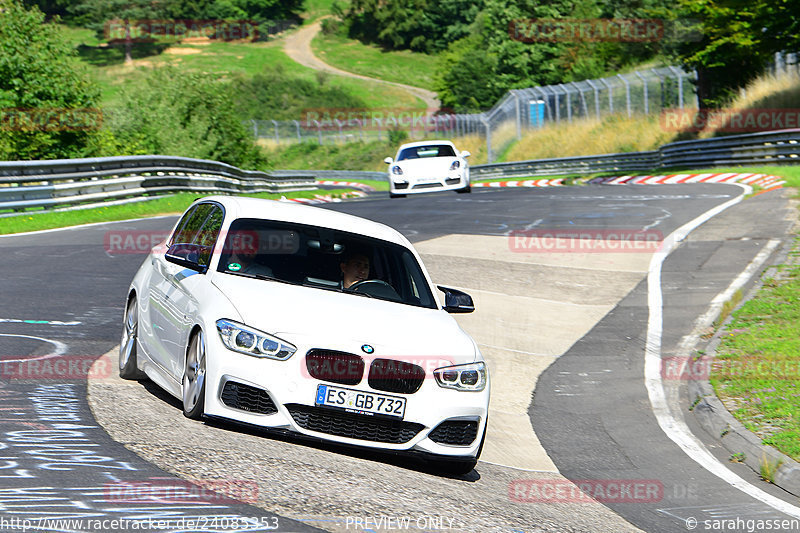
(767, 148)
(66, 182)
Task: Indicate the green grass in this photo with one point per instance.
(345, 156)
(165, 205)
(315, 9)
(410, 68)
(757, 368)
(218, 58)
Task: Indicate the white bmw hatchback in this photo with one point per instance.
(309, 321)
(428, 166)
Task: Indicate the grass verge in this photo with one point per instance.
(757, 366)
(165, 205)
(409, 68)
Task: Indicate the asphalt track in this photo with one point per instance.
(590, 408)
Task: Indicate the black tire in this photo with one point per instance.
(128, 368)
(467, 189)
(193, 384)
(393, 195)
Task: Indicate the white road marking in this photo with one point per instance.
(45, 322)
(674, 426)
(60, 349)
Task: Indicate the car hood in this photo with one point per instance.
(431, 165)
(318, 318)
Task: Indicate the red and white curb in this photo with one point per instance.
(764, 181)
(324, 198)
(350, 184)
(527, 183)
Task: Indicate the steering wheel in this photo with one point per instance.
(377, 288)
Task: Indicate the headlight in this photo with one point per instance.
(244, 339)
(471, 377)
(455, 165)
(397, 171)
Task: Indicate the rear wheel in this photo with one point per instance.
(127, 346)
(393, 195)
(194, 378)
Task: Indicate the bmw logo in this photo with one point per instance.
(367, 349)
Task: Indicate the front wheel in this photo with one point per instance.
(127, 346)
(467, 189)
(194, 378)
(393, 195)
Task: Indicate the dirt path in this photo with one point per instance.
(298, 47)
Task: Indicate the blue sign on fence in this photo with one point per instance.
(536, 113)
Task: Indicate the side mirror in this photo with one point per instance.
(388, 160)
(465, 154)
(188, 256)
(456, 301)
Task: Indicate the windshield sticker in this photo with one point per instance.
(235, 267)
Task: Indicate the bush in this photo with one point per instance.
(171, 112)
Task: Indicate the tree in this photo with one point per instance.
(100, 15)
(43, 88)
(738, 39)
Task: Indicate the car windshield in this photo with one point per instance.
(428, 150)
(314, 257)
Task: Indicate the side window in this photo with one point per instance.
(191, 224)
(208, 234)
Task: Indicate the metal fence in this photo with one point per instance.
(640, 92)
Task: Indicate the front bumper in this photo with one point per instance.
(284, 393)
(399, 185)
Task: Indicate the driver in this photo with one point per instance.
(355, 268)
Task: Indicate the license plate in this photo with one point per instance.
(356, 401)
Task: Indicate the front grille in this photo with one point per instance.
(395, 376)
(401, 185)
(247, 398)
(336, 367)
(361, 427)
(427, 185)
(455, 432)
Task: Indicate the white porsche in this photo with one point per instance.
(428, 166)
(307, 321)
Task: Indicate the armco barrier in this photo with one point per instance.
(766, 148)
(26, 184)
